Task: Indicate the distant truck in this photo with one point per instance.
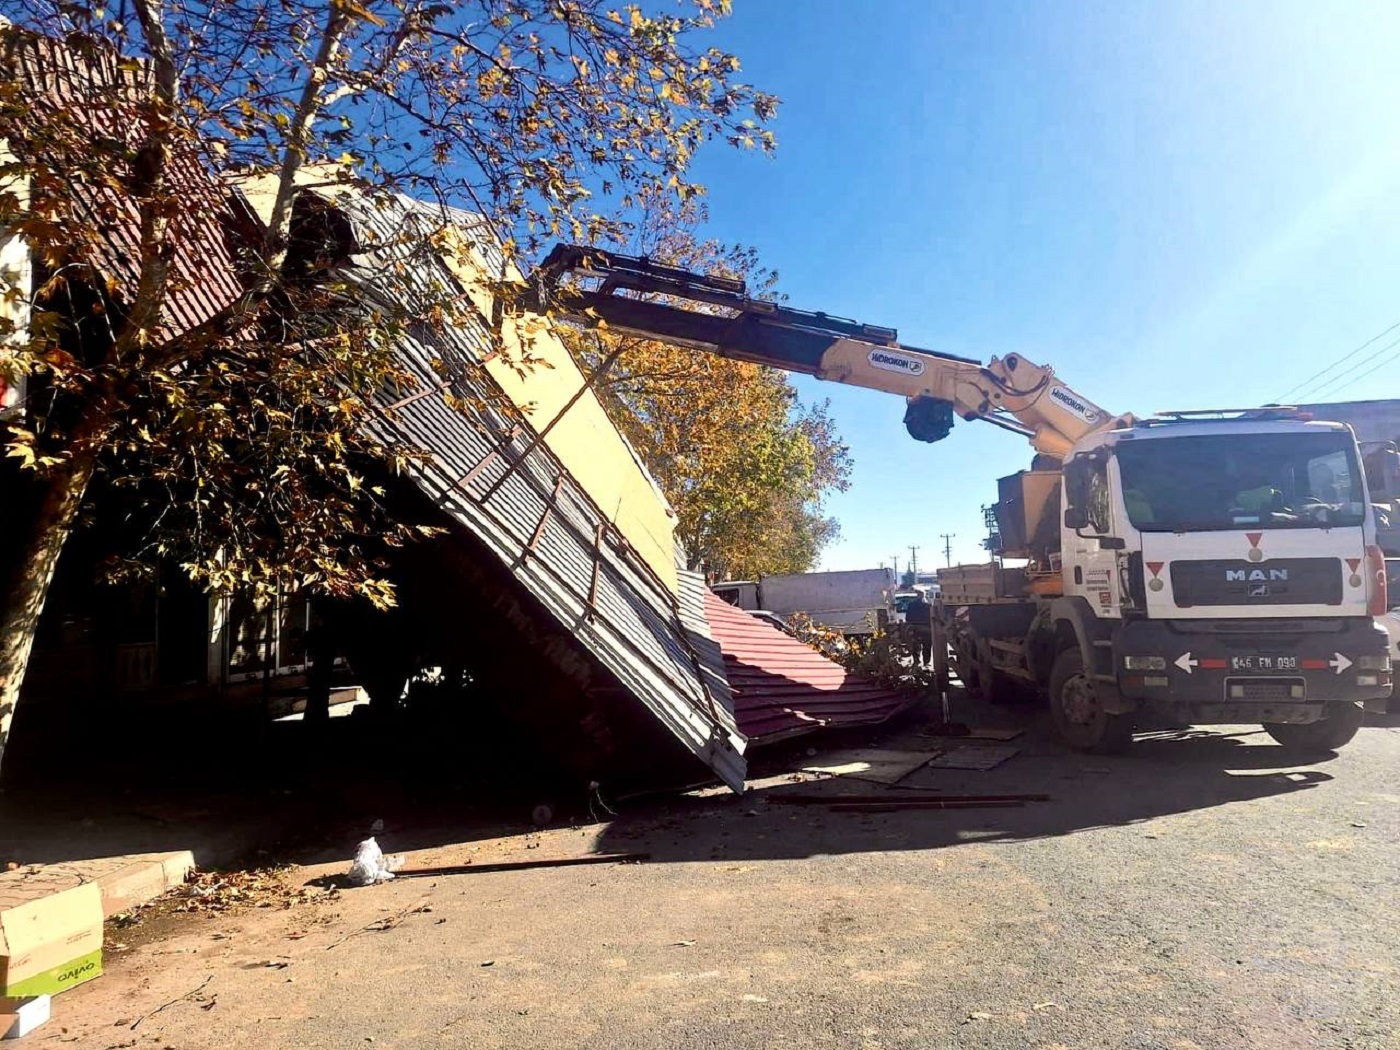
(852, 601)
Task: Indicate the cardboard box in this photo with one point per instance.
(50, 943)
(19, 1017)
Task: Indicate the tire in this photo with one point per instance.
(1316, 738)
(1078, 716)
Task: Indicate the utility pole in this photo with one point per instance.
(894, 566)
(947, 538)
(913, 565)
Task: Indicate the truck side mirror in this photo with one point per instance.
(1076, 491)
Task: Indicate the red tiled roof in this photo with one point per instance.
(83, 88)
(783, 688)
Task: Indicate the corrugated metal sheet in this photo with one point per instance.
(98, 96)
(516, 497)
(782, 688)
(693, 594)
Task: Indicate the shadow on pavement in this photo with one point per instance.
(1165, 773)
(297, 802)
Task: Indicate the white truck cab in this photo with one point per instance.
(1216, 570)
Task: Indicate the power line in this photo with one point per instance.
(1393, 357)
(1330, 386)
(947, 538)
(1340, 361)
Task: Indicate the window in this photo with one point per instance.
(259, 630)
(1305, 479)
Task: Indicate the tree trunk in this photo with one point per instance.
(63, 491)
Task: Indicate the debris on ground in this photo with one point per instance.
(193, 995)
(386, 922)
(985, 733)
(469, 868)
(975, 757)
(220, 891)
(921, 804)
(874, 764)
(371, 865)
(895, 798)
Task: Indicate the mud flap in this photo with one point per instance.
(1113, 701)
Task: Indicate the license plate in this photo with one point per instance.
(1263, 663)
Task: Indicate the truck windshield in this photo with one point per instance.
(1184, 484)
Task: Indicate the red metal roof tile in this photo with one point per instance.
(783, 688)
(88, 89)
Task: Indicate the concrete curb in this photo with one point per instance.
(124, 881)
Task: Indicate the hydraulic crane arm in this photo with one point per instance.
(1010, 392)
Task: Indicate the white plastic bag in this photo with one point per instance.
(371, 866)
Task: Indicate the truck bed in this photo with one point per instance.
(982, 584)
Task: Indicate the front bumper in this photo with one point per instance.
(1225, 671)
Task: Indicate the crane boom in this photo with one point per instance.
(638, 297)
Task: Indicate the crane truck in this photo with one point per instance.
(1212, 567)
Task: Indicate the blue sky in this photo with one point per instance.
(1177, 205)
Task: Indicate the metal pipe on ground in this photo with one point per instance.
(522, 865)
(892, 798)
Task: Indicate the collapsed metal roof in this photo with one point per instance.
(490, 473)
(783, 688)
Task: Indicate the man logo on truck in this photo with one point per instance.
(1254, 575)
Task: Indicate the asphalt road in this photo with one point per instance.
(1199, 892)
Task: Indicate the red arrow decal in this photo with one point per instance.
(1254, 538)
(1315, 665)
(1213, 665)
(1155, 567)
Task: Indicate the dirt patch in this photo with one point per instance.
(213, 894)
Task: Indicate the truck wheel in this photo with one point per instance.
(1315, 738)
(1077, 712)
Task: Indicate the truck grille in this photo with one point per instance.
(1282, 581)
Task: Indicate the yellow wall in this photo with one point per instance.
(585, 439)
(588, 444)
